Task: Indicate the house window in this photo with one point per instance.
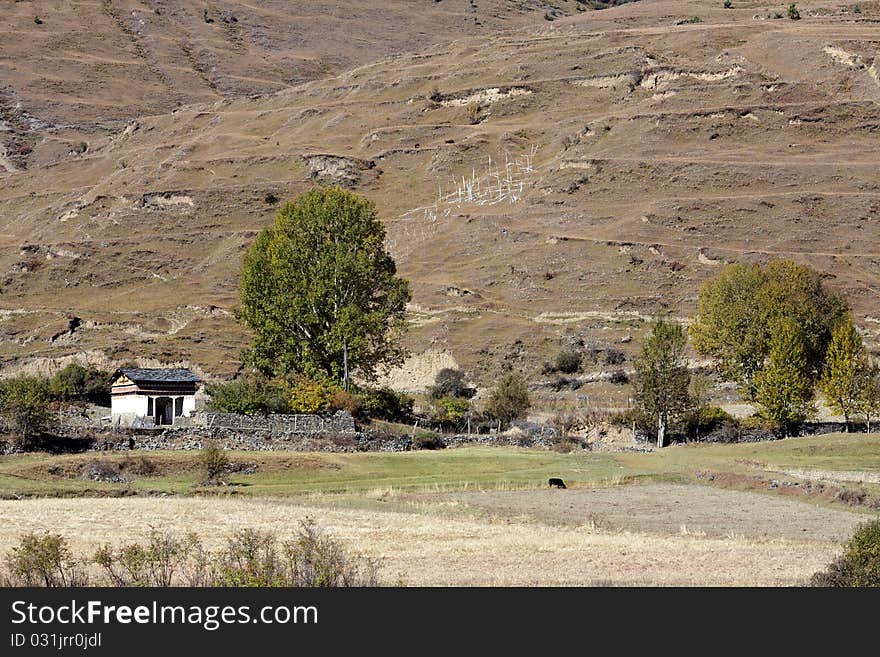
(178, 407)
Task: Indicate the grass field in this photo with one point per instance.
(853, 456)
(688, 515)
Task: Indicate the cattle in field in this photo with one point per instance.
(558, 483)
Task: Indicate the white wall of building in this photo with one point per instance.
(126, 409)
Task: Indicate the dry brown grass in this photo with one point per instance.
(434, 548)
(744, 140)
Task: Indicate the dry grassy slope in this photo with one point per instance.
(660, 152)
(89, 66)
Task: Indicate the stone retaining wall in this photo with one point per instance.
(339, 422)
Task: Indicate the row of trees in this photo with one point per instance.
(779, 334)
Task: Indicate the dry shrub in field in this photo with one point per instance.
(249, 558)
(42, 560)
(213, 461)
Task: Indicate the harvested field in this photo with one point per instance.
(669, 509)
(442, 542)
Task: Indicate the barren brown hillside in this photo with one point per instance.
(616, 160)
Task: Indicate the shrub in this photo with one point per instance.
(428, 440)
(859, 565)
(568, 361)
(153, 564)
(310, 395)
(473, 112)
(344, 401)
(213, 461)
(618, 378)
(38, 20)
(509, 400)
(249, 558)
(81, 383)
(706, 419)
(729, 431)
(43, 560)
(614, 356)
(385, 404)
(24, 402)
(435, 95)
(561, 382)
(793, 12)
(254, 558)
(451, 411)
(728, 4)
(450, 383)
(757, 422)
(248, 396)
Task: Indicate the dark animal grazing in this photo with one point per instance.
(553, 481)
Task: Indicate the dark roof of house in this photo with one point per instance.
(158, 375)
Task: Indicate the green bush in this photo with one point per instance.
(793, 12)
(450, 411)
(428, 440)
(385, 404)
(81, 383)
(249, 396)
(568, 361)
(213, 461)
(859, 565)
(42, 560)
(24, 402)
(705, 419)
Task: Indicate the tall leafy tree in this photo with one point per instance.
(24, 402)
(784, 387)
(662, 377)
(846, 371)
(738, 308)
(319, 290)
(509, 399)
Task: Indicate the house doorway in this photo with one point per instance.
(164, 410)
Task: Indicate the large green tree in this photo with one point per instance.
(784, 388)
(509, 399)
(24, 402)
(318, 286)
(662, 377)
(739, 307)
(846, 371)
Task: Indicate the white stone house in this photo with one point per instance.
(154, 396)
